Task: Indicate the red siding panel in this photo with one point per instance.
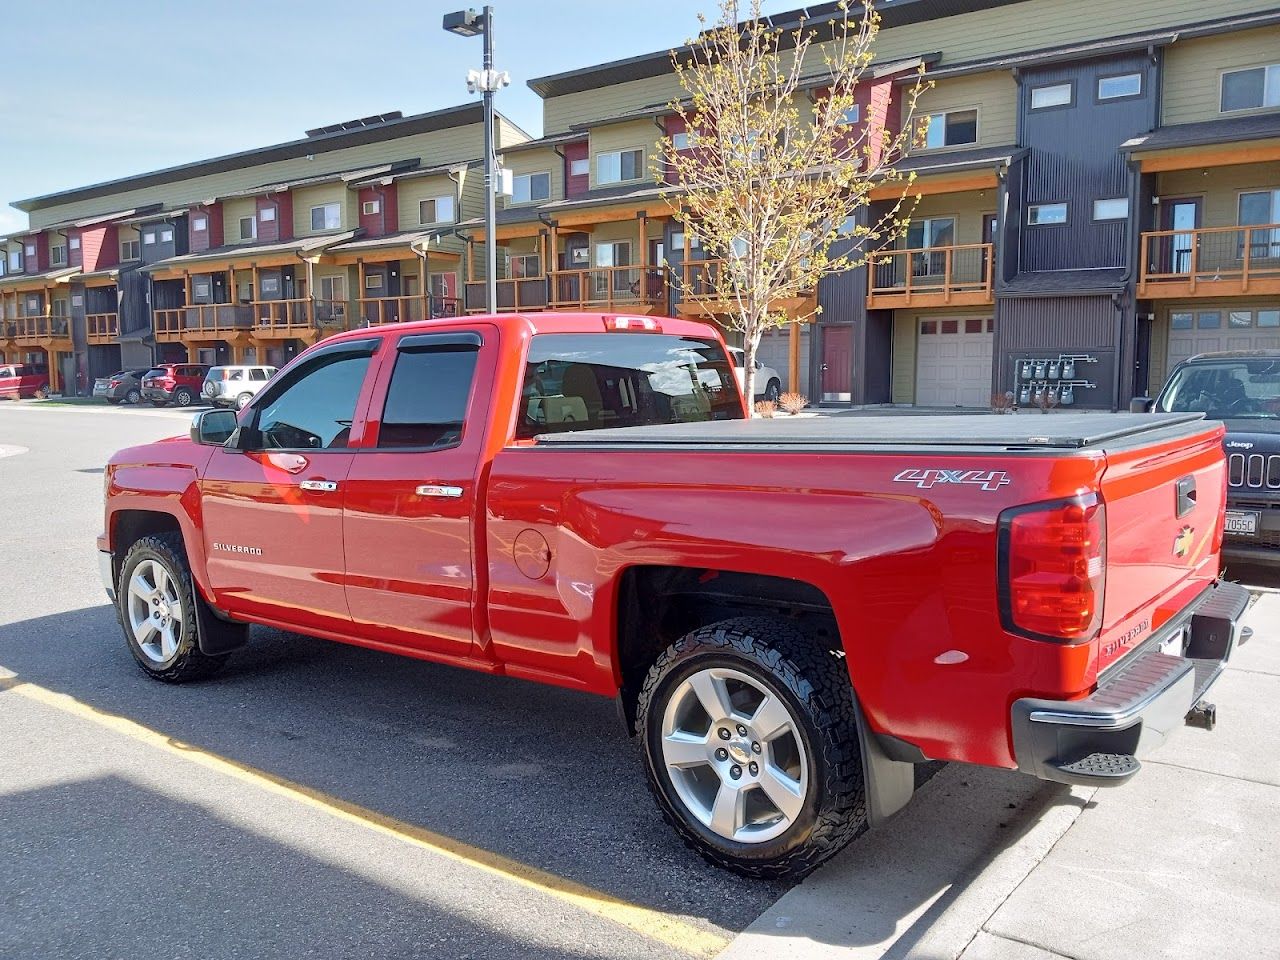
(211, 235)
(269, 230)
(387, 219)
(75, 257)
(579, 185)
(100, 247)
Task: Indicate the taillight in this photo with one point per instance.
(1053, 569)
(114, 383)
(615, 324)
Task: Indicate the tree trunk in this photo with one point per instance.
(750, 345)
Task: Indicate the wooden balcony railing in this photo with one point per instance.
(608, 288)
(268, 319)
(376, 311)
(1211, 262)
(702, 279)
(514, 294)
(101, 327)
(46, 327)
(962, 274)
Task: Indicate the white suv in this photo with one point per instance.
(768, 384)
(235, 386)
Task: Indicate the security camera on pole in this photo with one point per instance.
(468, 23)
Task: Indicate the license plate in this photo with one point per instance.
(1242, 521)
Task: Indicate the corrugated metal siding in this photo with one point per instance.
(1193, 71)
(1075, 159)
(1049, 326)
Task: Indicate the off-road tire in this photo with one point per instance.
(815, 686)
(187, 663)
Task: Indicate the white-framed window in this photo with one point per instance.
(1259, 207)
(267, 214)
(73, 243)
(619, 166)
(530, 187)
(270, 285)
(1120, 86)
(58, 254)
(15, 260)
(930, 232)
(248, 228)
(148, 238)
(166, 235)
(370, 207)
(680, 141)
(1112, 208)
(4, 266)
(199, 224)
(950, 129)
(1052, 95)
(373, 281)
(524, 265)
(130, 250)
(244, 291)
(437, 210)
(333, 288)
(851, 117)
(1251, 89)
(580, 167)
(1046, 214)
(201, 289)
(31, 249)
(326, 216)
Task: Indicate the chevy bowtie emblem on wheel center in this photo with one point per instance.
(1182, 544)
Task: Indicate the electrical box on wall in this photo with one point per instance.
(1050, 381)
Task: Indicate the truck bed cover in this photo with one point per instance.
(1064, 431)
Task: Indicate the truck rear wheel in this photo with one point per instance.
(751, 747)
(156, 602)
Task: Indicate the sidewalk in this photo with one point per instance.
(984, 865)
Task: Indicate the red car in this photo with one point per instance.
(790, 613)
(23, 380)
(176, 383)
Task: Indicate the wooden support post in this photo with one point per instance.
(424, 282)
(193, 352)
(360, 290)
(793, 358)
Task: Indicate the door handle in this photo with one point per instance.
(320, 486)
(438, 490)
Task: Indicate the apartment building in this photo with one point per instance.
(1097, 197)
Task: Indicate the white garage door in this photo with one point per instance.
(1208, 331)
(953, 362)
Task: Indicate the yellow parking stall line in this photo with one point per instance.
(648, 923)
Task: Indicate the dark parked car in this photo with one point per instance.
(177, 383)
(1243, 390)
(123, 386)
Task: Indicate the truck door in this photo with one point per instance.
(410, 502)
(273, 512)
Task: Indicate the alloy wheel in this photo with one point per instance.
(155, 611)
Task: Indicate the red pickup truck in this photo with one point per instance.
(790, 613)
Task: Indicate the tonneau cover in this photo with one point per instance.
(1071, 431)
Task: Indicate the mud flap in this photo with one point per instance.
(217, 636)
(888, 783)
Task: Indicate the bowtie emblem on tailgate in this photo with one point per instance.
(1182, 543)
(928, 478)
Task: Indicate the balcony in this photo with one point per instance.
(377, 311)
(257, 319)
(516, 294)
(960, 275)
(635, 289)
(700, 293)
(101, 328)
(1211, 262)
(41, 330)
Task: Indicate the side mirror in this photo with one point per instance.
(213, 427)
(1141, 405)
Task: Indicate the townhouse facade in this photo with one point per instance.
(1097, 197)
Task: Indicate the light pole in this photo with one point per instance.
(468, 23)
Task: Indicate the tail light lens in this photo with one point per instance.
(114, 383)
(1053, 569)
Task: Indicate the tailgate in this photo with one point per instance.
(1164, 507)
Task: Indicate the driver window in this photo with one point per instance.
(427, 399)
(315, 411)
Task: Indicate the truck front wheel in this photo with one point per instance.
(156, 602)
(751, 747)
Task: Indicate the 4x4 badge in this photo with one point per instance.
(1182, 544)
(929, 478)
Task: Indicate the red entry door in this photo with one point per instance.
(837, 364)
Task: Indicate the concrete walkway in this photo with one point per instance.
(1183, 861)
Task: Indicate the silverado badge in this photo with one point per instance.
(1182, 544)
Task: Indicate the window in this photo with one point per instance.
(148, 238)
(1209, 320)
(31, 249)
(233, 374)
(680, 141)
(1240, 318)
(130, 250)
(1118, 87)
(851, 116)
(15, 260)
(58, 253)
(259, 374)
(524, 265)
(313, 409)
(1114, 209)
(200, 289)
(530, 187)
(618, 166)
(373, 281)
(244, 291)
(1260, 208)
(268, 214)
(436, 210)
(588, 381)
(1269, 318)
(73, 243)
(370, 207)
(429, 391)
(1251, 89)
(327, 216)
(199, 224)
(166, 235)
(1052, 95)
(333, 288)
(950, 129)
(1043, 214)
(1180, 321)
(248, 228)
(931, 232)
(579, 167)
(270, 285)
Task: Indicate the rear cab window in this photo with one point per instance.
(591, 381)
(430, 390)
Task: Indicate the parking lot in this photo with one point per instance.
(321, 800)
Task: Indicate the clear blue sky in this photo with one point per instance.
(96, 90)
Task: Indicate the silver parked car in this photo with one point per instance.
(123, 386)
(235, 386)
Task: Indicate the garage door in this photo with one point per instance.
(1207, 331)
(953, 363)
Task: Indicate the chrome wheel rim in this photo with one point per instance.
(733, 752)
(155, 611)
